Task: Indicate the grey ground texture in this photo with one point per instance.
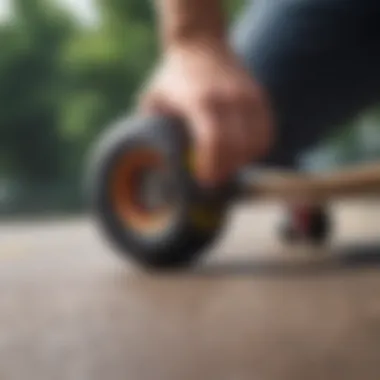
(71, 309)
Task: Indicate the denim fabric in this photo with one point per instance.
(319, 61)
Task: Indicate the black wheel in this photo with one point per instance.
(144, 197)
(306, 223)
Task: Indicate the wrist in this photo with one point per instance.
(210, 44)
(191, 22)
(193, 36)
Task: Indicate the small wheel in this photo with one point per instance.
(311, 224)
(144, 198)
(288, 233)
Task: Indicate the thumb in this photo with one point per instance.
(209, 146)
(154, 102)
(149, 102)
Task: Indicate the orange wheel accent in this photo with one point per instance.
(125, 190)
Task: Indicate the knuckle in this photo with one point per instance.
(231, 94)
(213, 140)
(250, 97)
(240, 97)
(208, 99)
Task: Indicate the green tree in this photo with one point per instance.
(30, 88)
(106, 67)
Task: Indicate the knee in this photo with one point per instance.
(241, 36)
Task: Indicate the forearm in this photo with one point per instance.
(187, 21)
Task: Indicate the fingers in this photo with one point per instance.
(210, 145)
(242, 121)
(223, 135)
(227, 128)
(153, 102)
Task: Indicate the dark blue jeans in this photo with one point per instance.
(319, 61)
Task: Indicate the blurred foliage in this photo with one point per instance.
(61, 83)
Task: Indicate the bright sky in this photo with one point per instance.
(83, 8)
(4, 8)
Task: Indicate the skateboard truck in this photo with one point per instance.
(147, 202)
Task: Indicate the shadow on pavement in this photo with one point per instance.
(345, 258)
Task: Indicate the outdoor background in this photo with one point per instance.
(67, 69)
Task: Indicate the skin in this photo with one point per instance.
(200, 79)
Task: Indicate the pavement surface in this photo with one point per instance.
(70, 308)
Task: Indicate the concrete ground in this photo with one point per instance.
(72, 309)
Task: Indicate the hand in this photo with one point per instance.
(227, 112)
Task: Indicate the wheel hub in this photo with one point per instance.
(155, 190)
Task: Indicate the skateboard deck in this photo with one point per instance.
(363, 179)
